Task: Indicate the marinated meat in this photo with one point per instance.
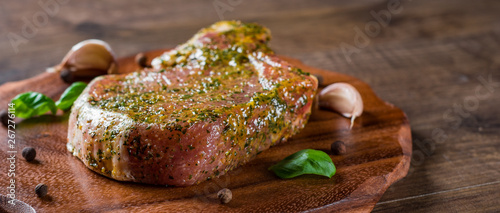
(205, 107)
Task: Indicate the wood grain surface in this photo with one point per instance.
(429, 60)
(379, 150)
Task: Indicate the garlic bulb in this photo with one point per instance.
(342, 98)
(89, 58)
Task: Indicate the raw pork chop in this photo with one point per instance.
(205, 107)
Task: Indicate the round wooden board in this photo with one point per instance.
(378, 154)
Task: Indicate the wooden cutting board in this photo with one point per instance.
(378, 154)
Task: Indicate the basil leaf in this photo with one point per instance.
(307, 161)
(70, 95)
(31, 104)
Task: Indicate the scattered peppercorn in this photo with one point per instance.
(225, 195)
(29, 153)
(71, 76)
(67, 76)
(141, 60)
(41, 190)
(338, 148)
(320, 79)
(4, 115)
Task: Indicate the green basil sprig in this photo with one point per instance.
(30, 104)
(70, 95)
(307, 161)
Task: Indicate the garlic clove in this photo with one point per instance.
(342, 98)
(89, 58)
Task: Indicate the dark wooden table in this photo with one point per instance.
(439, 61)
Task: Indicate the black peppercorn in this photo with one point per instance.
(41, 190)
(4, 115)
(225, 195)
(29, 153)
(67, 76)
(338, 148)
(141, 60)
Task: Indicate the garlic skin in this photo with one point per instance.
(91, 57)
(342, 98)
